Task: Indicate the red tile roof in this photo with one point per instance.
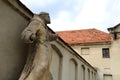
(84, 36)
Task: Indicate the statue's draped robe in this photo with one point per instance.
(39, 56)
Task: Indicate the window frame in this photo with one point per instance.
(105, 52)
(85, 48)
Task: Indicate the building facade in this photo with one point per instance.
(115, 51)
(94, 46)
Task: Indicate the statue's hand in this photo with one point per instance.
(53, 37)
(33, 37)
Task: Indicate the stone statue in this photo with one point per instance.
(38, 38)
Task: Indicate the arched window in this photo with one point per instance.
(56, 64)
(88, 72)
(72, 69)
(91, 75)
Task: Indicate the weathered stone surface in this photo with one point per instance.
(39, 59)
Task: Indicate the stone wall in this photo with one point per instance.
(12, 51)
(115, 53)
(95, 58)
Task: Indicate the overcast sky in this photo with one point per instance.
(78, 14)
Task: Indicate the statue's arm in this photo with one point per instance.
(29, 33)
(27, 36)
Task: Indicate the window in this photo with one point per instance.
(85, 51)
(105, 53)
(107, 77)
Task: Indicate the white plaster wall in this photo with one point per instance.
(71, 65)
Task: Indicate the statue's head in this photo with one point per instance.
(45, 16)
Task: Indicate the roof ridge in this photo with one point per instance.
(84, 36)
(77, 30)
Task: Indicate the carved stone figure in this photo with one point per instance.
(38, 38)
